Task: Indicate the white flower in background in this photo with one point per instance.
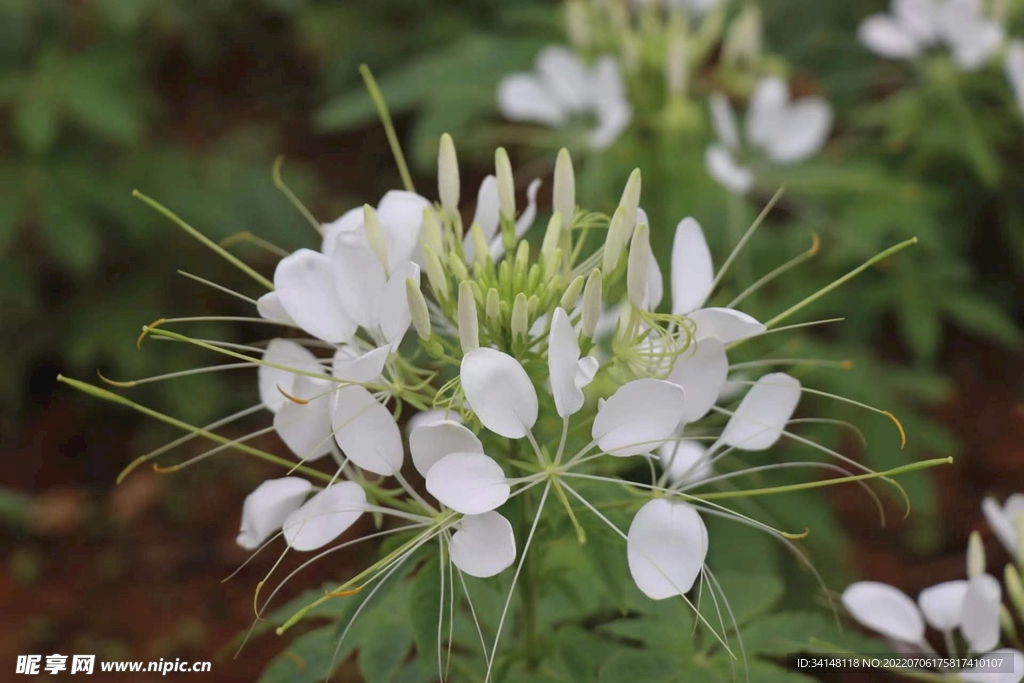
(1007, 521)
(972, 606)
(913, 26)
(563, 87)
(786, 131)
(268, 506)
(694, 7)
(1013, 64)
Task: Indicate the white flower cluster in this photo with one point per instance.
(973, 607)
(971, 35)
(507, 370)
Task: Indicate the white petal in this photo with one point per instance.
(563, 364)
(430, 443)
(979, 620)
(1014, 67)
(401, 216)
(726, 172)
(639, 417)
(917, 18)
(394, 315)
(1013, 671)
(488, 211)
(289, 354)
(885, 610)
(1002, 521)
(883, 36)
(306, 288)
(565, 77)
(685, 461)
(767, 112)
(360, 280)
(526, 218)
(306, 428)
(763, 413)
(351, 366)
(325, 516)
(266, 508)
(484, 545)
(701, 370)
(608, 94)
(348, 229)
(727, 324)
(522, 97)
(692, 271)
(586, 369)
(470, 483)
(973, 50)
(941, 604)
(724, 121)
(270, 308)
(432, 417)
(499, 391)
(806, 128)
(366, 431)
(666, 547)
(655, 282)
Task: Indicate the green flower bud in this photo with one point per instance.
(553, 236)
(636, 271)
(430, 233)
(615, 241)
(563, 191)
(481, 250)
(448, 174)
(506, 184)
(572, 293)
(591, 304)
(435, 274)
(492, 309)
(469, 332)
(418, 309)
(457, 267)
(520, 317)
(975, 556)
(375, 236)
(1014, 588)
(630, 200)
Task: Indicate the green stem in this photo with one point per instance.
(389, 127)
(225, 254)
(846, 278)
(528, 595)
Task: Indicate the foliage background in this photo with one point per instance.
(191, 102)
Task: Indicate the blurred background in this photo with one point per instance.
(191, 102)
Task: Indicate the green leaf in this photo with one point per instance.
(581, 652)
(72, 239)
(425, 609)
(36, 121)
(11, 208)
(747, 595)
(636, 665)
(307, 659)
(385, 644)
(981, 316)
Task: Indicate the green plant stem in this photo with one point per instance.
(528, 595)
(389, 127)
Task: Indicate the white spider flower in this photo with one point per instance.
(785, 130)
(268, 506)
(563, 87)
(913, 26)
(1013, 65)
(1007, 522)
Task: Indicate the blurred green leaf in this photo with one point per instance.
(633, 665)
(70, 236)
(979, 315)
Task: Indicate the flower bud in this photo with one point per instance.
(677, 65)
(435, 274)
(375, 236)
(591, 304)
(469, 332)
(457, 267)
(1006, 624)
(577, 23)
(506, 184)
(615, 241)
(521, 266)
(553, 236)
(1018, 524)
(636, 270)
(975, 556)
(572, 293)
(520, 317)
(430, 232)
(481, 250)
(1014, 588)
(743, 40)
(552, 264)
(563, 190)
(630, 200)
(418, 309)
(492, 308)
(448, 174)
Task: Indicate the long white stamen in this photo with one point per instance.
(515, 578)
(220, 288)
(746, 236)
